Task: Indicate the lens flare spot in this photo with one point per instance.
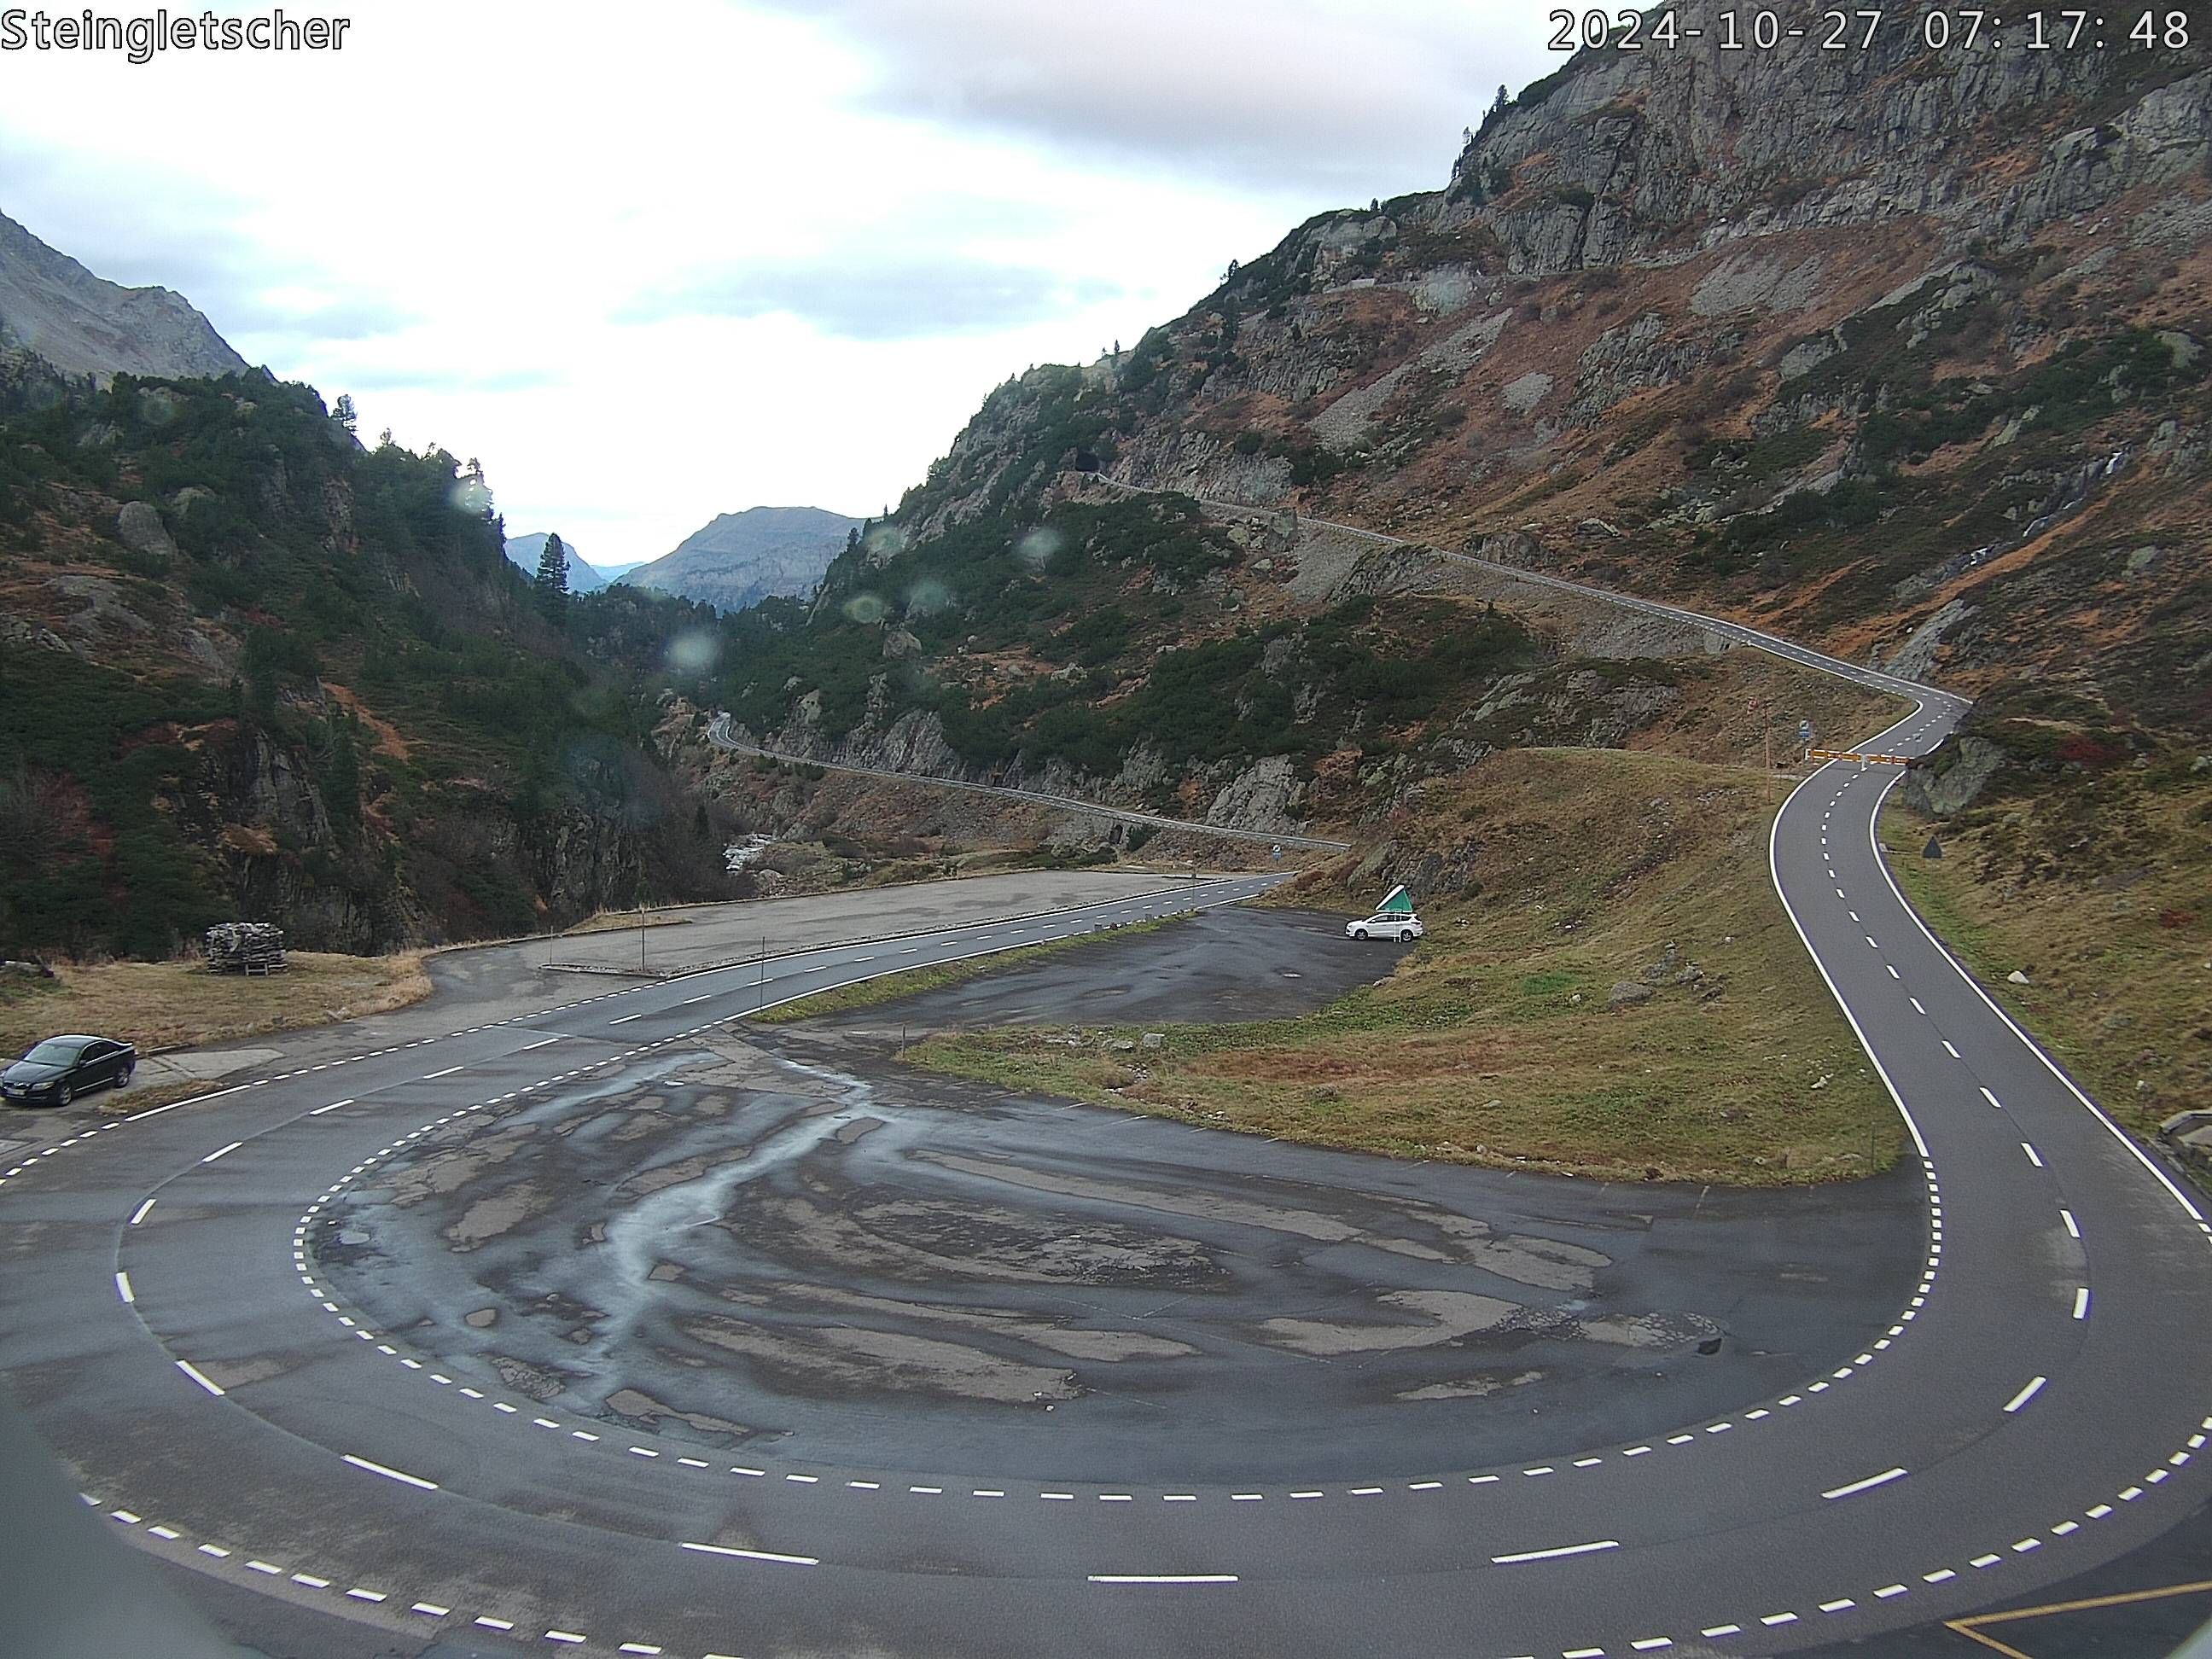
(1035, 548)
(694, 651)
(927, 597)
(884, 541)
(866, 608)
(470, 495)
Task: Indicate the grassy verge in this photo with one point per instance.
(624, 921)
(171, 1004)
(1554, 876)
(2101, 893)
(891, 987)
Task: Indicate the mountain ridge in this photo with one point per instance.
(83, 325)
(1904, 357)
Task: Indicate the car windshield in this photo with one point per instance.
(55, 1051)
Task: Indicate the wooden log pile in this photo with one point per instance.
(245, 947)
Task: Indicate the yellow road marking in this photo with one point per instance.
(1970, 1629)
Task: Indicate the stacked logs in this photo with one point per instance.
(245, 947)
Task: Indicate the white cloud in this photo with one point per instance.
(656, 264)
(1362, 100)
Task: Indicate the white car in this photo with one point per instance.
(1385, 924)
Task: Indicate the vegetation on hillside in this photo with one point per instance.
(257, 668)
(1607, 988)
(1086, 632)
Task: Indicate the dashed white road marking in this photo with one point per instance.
(400, 1475)
(626, 1019)
(432, 1077)
(2033, 1156)
(2082, 1303)
(1162, 1577)
(1856, 1487)
(1591, 1548)
(2073, 1227)
(755, 1555)
(222, 1151)
(140, 1213)
(2034, 1387)
(1949, 1050)
(199, 1376)
(123, 1288)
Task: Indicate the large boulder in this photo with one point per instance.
(138, 527)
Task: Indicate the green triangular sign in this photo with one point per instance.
(1398, 902)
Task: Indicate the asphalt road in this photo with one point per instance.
(718, 733)
(179, 1321)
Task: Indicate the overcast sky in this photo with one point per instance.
(660, 262)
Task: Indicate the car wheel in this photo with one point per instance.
(122, 1077)
(63, 1095)
(1359, 932)
(1405, 934)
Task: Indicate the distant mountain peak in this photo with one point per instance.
(742, 558)
(53, 307)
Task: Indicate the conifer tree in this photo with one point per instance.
(552, 583)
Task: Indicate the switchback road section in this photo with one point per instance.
(2037, 1401)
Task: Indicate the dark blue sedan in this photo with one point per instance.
(56, 1071)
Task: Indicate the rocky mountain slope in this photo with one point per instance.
(742, 558)
(53, 307)
(584, 577)
(1900, 351)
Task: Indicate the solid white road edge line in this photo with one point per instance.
(2034, 1047)
(1774, 872)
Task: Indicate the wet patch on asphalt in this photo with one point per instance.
(790, 1245)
